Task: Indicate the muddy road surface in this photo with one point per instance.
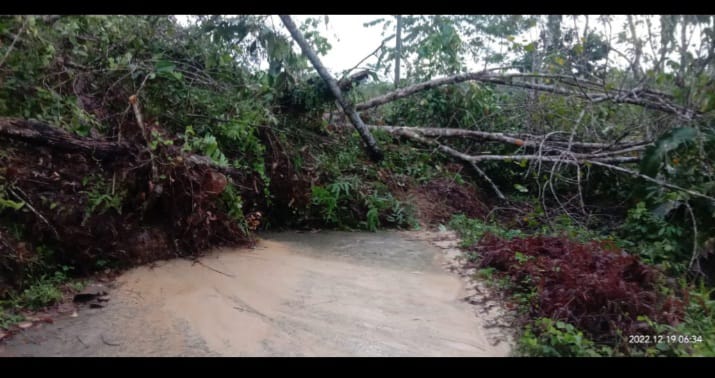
(294, 294)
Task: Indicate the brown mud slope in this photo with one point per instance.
(438, 200)
(91, 199)
(295, 294)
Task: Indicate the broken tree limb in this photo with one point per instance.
(412, 89)
(515, 139)
(27, 203)
(571, 87)
(594, 159)
(455, 154)
(489, 180)
(650, 179)
(134, 102)
(14, 41)
(348, 82)
(40, 133)
(372, 147)
(382, 44)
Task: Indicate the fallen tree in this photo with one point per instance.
(569, 86)
(544, 150)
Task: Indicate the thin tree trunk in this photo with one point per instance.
(372, 147)
(585, 29)
(398, 50)
(683, 49)
(636, 67)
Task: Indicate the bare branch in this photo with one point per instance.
(527, 140)
(603, 159)
(489, 180)
(648, 178)
(637, 96)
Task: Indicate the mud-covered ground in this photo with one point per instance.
(294, 294)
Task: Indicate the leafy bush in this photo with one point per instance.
(471, 230)
(555, 338)
(654, 239)
(348, 203)
(41, 294)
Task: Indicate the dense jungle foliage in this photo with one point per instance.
(238, 133)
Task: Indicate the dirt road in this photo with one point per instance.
(295, 294)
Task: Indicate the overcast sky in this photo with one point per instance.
(351, 41)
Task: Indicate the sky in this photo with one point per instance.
(351, 41)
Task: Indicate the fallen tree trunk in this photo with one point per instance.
(577, 88)
(579, 158)
(39, 133)
(373, 150)
(42, 134)
(535, 141)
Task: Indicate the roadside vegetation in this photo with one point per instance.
(577, 167)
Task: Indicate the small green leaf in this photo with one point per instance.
(521, 188)
(11, 204)
(164, 66)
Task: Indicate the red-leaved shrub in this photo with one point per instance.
(595, 286)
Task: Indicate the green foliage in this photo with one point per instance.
(699, 321)
(683, 156)
(655, 157)
(99, 196)
(441, 44)
(464, 105)
(327, 201)
(486, 273)
(42, 293)
(656, 240)
(390, 210)
(9, 204)
(472, 230)
(233, 201)
(157, 140)
(339, 205)
(9, 318)
(564, 225)
(549, 338)
(206, 145)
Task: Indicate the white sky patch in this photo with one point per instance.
(351, 41)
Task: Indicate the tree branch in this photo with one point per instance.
(639, 97)
(648, 178)
(527, 140)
